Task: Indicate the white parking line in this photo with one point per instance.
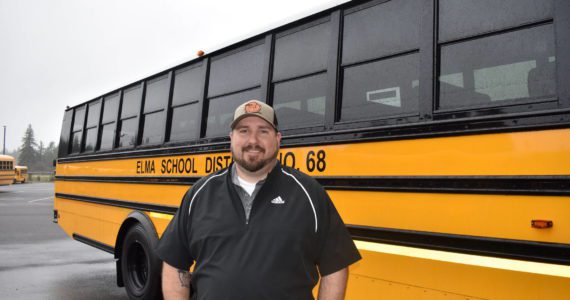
(35, 200)
(23, 190)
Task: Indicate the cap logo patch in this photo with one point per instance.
(252, 107)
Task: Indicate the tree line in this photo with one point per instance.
(36, 156)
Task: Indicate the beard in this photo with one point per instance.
(255, 164)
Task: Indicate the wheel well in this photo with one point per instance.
(132, 219)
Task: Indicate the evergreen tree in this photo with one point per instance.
(28, 155)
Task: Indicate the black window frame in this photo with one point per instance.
(108, 97)
(96, 126)
(398, 118)
(506, 106)
(167, 76)
(198, 103)
(501, 18)
(330, 70)
(246, 45)
(64, 142)
(137, 115)
(234, 51)
(83, 106)
(425, 97)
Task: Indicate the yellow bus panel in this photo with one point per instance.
(499, 216)
(382, 275)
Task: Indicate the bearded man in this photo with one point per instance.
(257, 229)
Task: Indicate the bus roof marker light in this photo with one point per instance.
(200, 53)
(541, 224)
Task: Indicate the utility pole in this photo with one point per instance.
(4, 148)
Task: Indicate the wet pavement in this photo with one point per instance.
(39, 261)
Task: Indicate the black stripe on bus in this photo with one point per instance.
(512, 185)
(505, 248)
(121, 203)
(186, 180)
(93, 243)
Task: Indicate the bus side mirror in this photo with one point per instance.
(54, 162)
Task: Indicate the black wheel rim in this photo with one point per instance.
(137, 264)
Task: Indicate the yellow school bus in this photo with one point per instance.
(21, 174)
(440, 129)
(6, 170)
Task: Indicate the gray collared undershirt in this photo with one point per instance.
(246, 199)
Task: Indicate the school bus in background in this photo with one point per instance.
(6, 170)
(21, 174)
(440, 128)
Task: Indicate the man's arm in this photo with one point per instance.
(175, 283)
(333, 286)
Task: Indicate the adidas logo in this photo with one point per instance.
(278, 200)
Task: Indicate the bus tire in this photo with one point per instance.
(141, 267)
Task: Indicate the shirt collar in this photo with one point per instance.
(234, 176)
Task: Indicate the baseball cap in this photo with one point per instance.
(255, 108)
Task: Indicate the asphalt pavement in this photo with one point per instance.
(39, 261)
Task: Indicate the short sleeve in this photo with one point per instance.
(338, 250)
(173, 245)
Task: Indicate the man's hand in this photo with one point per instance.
(175, 283)
(333, 286)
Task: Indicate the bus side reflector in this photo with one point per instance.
(541, 224)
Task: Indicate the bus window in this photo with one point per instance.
(383, 88)
(221, 111)
(517, 66)
(301, 102)
(77, 133)
(234, 78)
(93, 115)
(129, 129)
(236, 71)
(384, 29)
(130, 116)
(188, 92)
(188, 85)
(65, 131)
(378, 82)
(185, 122)
(299, 77)
(155, 104)
(459, 19)
(108, 121)
(302, 51)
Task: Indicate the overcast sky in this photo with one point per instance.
(55, 53)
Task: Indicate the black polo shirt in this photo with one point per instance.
(294, 233)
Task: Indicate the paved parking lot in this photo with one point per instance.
(38, 260)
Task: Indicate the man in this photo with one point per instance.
(257, 229)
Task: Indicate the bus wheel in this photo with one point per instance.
(141, 267)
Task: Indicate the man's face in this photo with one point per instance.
(254, 143)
